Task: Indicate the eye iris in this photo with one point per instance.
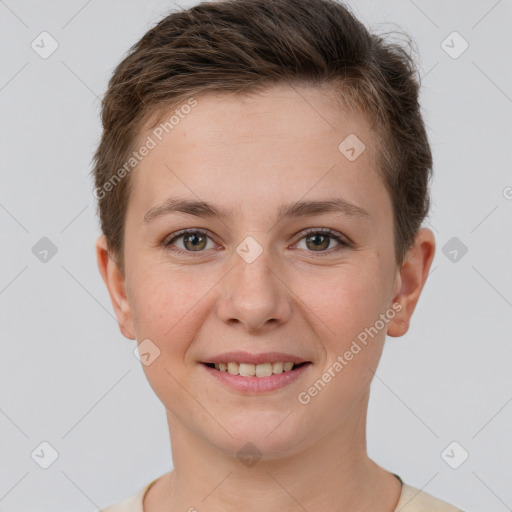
(317, 237)
(197, 238)
(196, 241)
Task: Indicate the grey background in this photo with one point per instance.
(68, 376)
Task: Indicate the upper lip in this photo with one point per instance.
(248, 358)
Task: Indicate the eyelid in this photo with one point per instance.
(342, 240)
(178, 234)
(326, 231)
(186, 231)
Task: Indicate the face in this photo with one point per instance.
(258, 273)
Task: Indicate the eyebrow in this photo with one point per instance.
(298, 209)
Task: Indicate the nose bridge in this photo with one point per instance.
(253, 294)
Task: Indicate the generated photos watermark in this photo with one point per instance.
(306, 396)
(150, 143)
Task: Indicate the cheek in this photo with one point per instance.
(168, 311)
(346, 300)
(353, 347)
(158, 294)
(168, 306)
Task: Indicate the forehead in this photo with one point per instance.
(283, 144)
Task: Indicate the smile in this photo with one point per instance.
(256, 378)
(255, 370)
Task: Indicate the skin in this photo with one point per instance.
(252, 154)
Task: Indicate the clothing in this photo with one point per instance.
(411, 500)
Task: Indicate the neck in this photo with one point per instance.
(333, 473)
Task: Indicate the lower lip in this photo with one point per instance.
(257, 384)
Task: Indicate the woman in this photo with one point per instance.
(262, 179)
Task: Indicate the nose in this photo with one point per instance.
(255, 295)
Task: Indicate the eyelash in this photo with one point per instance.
(329, 232)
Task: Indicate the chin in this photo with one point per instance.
(263, 435)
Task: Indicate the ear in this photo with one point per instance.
(411, 279)
(115, 283)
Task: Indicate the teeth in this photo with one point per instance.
(277, 367)
(263, 370)
(288, 367)
(251, 370)
(247, 370)
(233, 368)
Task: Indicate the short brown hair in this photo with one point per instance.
(246, 46)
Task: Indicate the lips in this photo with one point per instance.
(255, 359)
(253, 380)
(255, 370)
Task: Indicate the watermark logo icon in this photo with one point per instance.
(44, 45)
(454, 455)
(454, 249)
(249, 250)
(146, 352)
(351, 147)
(249, 454)
(44, 250)
(44, 455)
(454, 45)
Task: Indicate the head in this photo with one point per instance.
(288, 141)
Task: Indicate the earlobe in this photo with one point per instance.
(115, 283)
(411, 279)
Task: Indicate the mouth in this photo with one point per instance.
(255, 374)
(256, 370)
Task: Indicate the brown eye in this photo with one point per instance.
(192, 241)
(318, 242)
(321, 240)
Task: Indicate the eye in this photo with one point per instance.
(193, 241)
(196, 241)
(319, 240)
